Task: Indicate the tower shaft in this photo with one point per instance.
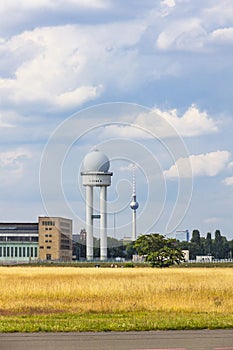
(134, 226)
(89, 222)
(103, 223)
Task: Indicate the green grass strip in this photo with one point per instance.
(96, 322)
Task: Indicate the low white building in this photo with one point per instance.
(204, 258)
(186, 255)
(138, 258)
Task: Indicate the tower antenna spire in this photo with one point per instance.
(134, 179)
(134, 204)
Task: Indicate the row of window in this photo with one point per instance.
(42, 247)
(18, 252)
(64, 247)
(48, 223)
(18, 239)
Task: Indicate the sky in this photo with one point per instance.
(148, 83)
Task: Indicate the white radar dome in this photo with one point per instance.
(96, 161)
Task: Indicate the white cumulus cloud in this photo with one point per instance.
(223, 35)
(182, 35)
(12, 165)
(77, 96)
(169, 3)
(163, 124)
(66, 66)
(192, 123)
(10, 6)
(209, 164)
(228, 181)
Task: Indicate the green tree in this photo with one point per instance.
(196, 238)
(158, 250)
(115, 248)
(208, 244)
(129, 250)
(218, 245)
(231, 249)
(196, 247)
(184, 245)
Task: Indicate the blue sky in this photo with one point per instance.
(148, 82)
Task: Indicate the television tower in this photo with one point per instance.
(134, 206)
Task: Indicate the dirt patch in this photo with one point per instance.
(31, 311)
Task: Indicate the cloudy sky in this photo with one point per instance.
(147, 82)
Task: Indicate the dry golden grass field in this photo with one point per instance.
(41, 291)
(46, 290)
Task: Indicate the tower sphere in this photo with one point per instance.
(134, 205)
(96, 161)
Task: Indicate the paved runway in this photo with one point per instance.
(175, 340)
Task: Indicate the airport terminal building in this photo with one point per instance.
(49, 239)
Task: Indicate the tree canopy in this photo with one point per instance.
(218, 246)
(158, 250)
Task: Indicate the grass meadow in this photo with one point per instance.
(89, 299)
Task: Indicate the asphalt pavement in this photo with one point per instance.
(175, 340)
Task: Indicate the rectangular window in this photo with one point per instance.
(20, 252)
(4, 252)
(8, 252)
(36, 254)
(0, 251)
(48, 223)
(12, 252)
(48, 247)
(41, 247)
(32, 252)
(16, 252)
(28, 252)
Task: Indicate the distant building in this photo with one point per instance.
(138, 258)
(18, 241)
(55, 239)
(204, 258)
(186, 255)
(47, 239)
(81, 237)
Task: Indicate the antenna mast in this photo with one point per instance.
(134, 205)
